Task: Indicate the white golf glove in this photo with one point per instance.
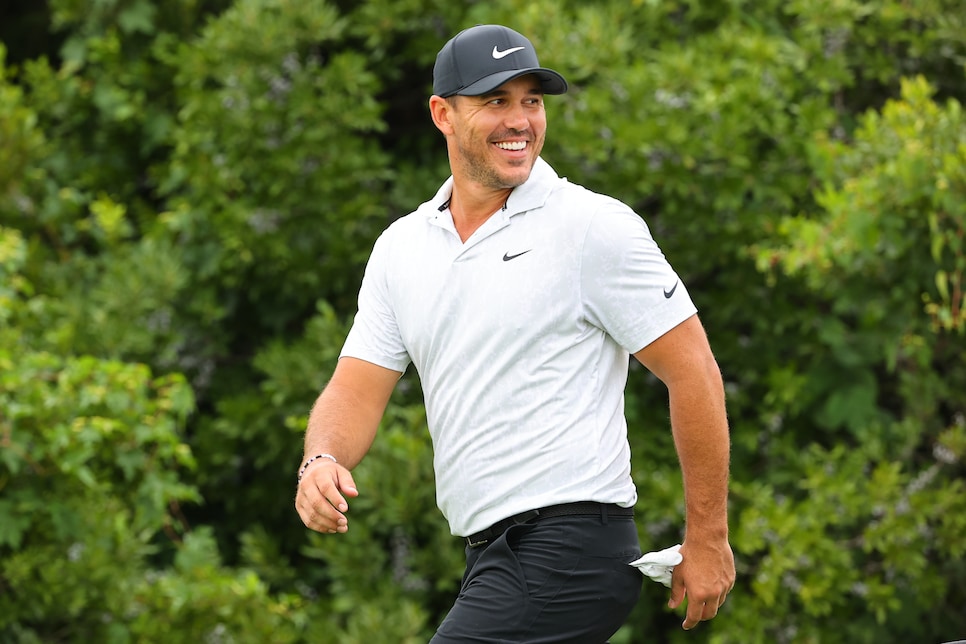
(659, 565)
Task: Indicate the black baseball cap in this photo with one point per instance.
(480, 59)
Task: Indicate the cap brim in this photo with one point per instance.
(550, 81)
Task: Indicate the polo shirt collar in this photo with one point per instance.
(530, 195)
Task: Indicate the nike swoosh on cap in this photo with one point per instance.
(497, 54)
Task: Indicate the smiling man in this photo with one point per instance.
(519, 297)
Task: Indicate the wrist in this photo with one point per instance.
(311, 460)
(697, 537)
(706, 528)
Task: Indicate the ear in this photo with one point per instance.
(441, 111)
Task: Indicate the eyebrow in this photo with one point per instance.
(499, 93)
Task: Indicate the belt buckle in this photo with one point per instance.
(474, 544)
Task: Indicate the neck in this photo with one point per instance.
(471, 208)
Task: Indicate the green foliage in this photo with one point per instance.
(893, 203)
(188, 193)
(208, 602)
(873, 556)
(899, 188)
(92, 480)
(19, 134)
(275, 165)
(89, 473)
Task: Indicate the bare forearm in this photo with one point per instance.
(342, 425)
(698, 420)
(682, 359)
(346, 415)
(700, 426)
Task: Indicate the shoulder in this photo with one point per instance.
(580, 196)
(564, 194)
(407, 227)
(593, 209)
(604, 224)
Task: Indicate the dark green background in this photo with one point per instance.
(189, 190)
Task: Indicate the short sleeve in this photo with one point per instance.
(628, 287)
(374, 336)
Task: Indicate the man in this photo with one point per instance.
(519, 297)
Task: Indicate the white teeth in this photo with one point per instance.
(512, 145)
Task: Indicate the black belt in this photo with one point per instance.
(582, 508)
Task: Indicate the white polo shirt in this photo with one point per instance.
(521, 338)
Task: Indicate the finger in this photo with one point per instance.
(331, 508)
(344, 485)
(693, 615)
(326, 484)
(347, 484)
(710, 610)
(677, 590)
(326, 522)
(701, 611)
(313, 518)
(317, 511)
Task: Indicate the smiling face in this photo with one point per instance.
(494, 139)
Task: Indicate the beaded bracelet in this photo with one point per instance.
(309, 462)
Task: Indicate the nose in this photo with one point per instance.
(516, 118)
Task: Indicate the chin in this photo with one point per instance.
(519, 175)
(515, 180)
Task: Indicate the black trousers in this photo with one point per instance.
(558, 579)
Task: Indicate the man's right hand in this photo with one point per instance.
(320, 497)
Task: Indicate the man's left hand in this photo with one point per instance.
(705, 576)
